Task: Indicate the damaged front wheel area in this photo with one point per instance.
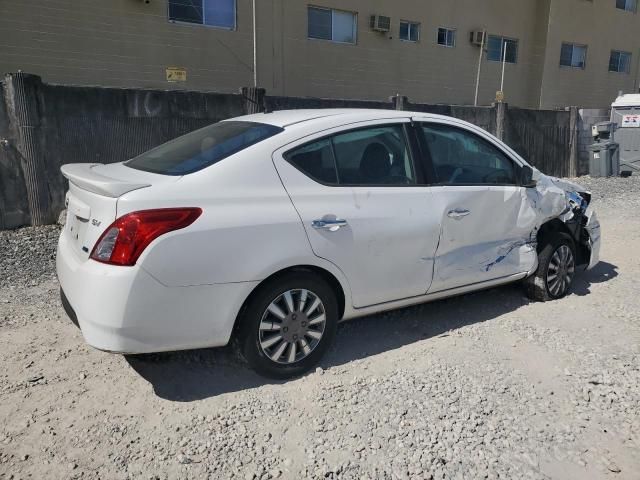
(556, 268)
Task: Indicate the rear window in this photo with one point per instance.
(202, 148)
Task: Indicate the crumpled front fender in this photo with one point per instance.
(570, 203)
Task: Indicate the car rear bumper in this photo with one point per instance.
(126, 310)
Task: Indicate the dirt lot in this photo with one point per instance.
(483, 386)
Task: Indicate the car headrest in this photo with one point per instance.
(375, 163)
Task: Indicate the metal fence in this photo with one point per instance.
(542, 137)
(45, 126)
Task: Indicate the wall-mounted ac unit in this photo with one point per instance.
(478, 37)
(380, 23)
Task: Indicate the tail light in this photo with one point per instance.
(124, 240)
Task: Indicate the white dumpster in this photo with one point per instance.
(625, 113)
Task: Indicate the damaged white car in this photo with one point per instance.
(271, 228)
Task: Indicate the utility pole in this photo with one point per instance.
(504, 61)
(255, 47)
(484, 35)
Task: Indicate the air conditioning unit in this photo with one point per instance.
(478, 37)
(380, 23)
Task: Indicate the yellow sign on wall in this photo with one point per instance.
(176, 74)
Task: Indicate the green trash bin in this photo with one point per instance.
(604, 160)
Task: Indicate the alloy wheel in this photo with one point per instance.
(292, 326)
(560, 271)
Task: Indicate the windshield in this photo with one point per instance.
(202, 148)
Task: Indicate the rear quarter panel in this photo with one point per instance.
(248, 230)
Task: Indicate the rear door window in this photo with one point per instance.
(369, 156)
(316, 161)
(460, 157)
(202, 148)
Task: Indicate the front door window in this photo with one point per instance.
(460, 157)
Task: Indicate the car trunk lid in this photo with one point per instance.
(92, 198)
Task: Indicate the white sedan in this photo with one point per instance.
(269, 229)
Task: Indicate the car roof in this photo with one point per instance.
(285, 118)
(308, 121)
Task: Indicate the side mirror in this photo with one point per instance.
(527, 177)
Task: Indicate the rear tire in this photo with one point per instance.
(556, 269)
(288, 325)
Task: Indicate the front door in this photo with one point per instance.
(365, 208)
(487, 219)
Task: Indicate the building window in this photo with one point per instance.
(620, 62)
(573, 55)
(215, 13)
(334, 25)
(409, 31)
(446, 37)
(628, 5)
(500, 47)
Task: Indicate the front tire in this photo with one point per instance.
(288, 325)
(556, 269)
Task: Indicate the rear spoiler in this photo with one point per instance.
(83, 176)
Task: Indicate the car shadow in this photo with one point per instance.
(602, 272)
(198, 374)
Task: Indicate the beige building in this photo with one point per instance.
(557, 52)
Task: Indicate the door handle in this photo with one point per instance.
(331, 225)
(458, 213)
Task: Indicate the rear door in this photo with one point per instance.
(487, 217)
(365, 207)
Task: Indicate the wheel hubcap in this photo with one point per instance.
(560, 271)
(292, 326)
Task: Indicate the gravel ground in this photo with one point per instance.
(482, 386)
(28, 256)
